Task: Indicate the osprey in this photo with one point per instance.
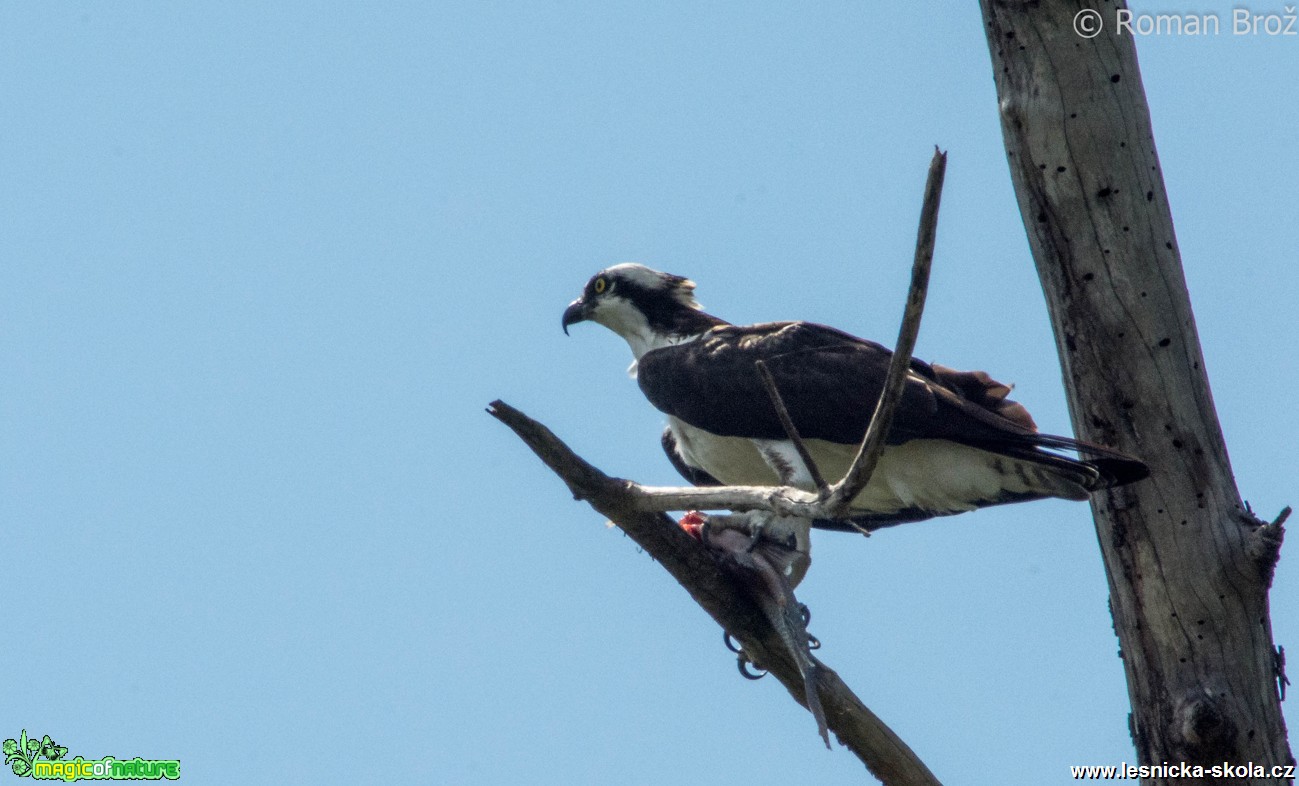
(957, 442)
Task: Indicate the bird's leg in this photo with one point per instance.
(769, 568)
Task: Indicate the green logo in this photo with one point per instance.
(45, 759)
(23, 753)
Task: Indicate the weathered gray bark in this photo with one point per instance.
(1188, 567)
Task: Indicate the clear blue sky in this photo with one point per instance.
(265, 264)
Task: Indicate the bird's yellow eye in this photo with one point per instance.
(600, 286)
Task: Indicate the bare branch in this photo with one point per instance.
(692, 565)
(872, 445)
(785, 500)
(822, 489)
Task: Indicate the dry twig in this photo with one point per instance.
(872, 445)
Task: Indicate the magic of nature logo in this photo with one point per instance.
(45, 759)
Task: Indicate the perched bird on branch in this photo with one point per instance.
(957, 442)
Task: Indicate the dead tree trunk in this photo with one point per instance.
(1189, 567)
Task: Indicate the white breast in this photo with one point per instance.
(734, 461)
(933, 475)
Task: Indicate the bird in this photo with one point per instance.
(958, 442)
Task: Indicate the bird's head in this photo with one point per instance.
(647, 308)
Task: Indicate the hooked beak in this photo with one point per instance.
(577, 311)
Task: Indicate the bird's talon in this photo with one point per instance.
(744, 663)
(805, 613)
(742, 660)
(813, 643)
